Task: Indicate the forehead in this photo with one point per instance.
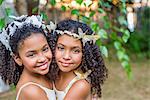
(33, 41)
(68, 40)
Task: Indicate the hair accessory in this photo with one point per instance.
(81, 74)
(18, 22)
(51, 26)
(85, 38)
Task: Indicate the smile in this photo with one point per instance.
(65, 64)
(43, 66)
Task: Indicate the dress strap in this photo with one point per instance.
(71, 83)
(24, 85)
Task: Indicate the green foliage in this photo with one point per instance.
(75, 12)
(2, 23)
(79, 1)
(53, 2)
(110, 28)
(139, 43)
(34, 10)
(63, 8)
(1, 1)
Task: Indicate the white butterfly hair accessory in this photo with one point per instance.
(18, 22)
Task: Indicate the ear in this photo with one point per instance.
(17, 59)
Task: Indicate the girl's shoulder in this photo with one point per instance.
(31, 91)
(80, 89)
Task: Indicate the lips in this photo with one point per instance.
(65, 64)
(43, 66)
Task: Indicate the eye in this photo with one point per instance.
(60, 48)
(31, 54)
(45, 49)
(76, 51)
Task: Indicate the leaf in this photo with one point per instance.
(127, 68)
(104, 50)
(122, 20)
(92, 13)
(117, 45)
(94, 26)
(103, 34)
(85, 19)
(1, 1)
(63, 8)
(120, 55)
(2, 23)
(79, 1)
(75, 12)
(35, 9)
(100, 10)
(44, 16)
(126, 36)
(53, 2)
(8, 11)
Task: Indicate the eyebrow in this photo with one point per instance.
(71, 47)
(30, 51)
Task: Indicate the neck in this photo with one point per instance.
(66, 75)
(32, 77)
(64, 79)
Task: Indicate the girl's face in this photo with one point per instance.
(68, 53)
(34, 54)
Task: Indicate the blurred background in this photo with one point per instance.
(124, 28)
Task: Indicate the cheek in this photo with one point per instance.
(78, 59)
(49, 54)
(57, 54)
(29, 62)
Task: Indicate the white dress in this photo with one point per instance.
(50, 93)
(61, 94)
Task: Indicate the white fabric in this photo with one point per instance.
(50, 93)
(61, 94)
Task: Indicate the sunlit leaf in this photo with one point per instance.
(126, 36)
(120, 55)
(94, 26)
(103, 34)
(104, 50)
(117, 45)
(122, 20)
(8, 11)
(127, 68)
(100, 10)
(2, 23)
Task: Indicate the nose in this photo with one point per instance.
(41, 58)
(67, 55)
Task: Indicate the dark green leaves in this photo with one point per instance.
(1, 1)
(63, 8)
(53, 2)
(79, 1)
(2, 23)
(75, 12)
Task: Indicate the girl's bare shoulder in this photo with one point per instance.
(81, 89)
(32, 91)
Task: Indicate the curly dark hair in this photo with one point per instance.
(9, 70)
(92, 58)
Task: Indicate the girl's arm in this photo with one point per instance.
(80, 90)
(32, 92)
